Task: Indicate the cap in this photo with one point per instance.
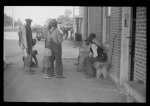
(28, 20)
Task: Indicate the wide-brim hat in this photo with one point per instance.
(28, 20)
(53, 22)
(92, 35)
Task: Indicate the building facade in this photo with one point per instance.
(123, 31)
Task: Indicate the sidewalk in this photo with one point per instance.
(20, 86)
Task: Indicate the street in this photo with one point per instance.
(19, 86)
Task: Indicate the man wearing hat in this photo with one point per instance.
(95, 54)
(29, 45)
(53, 41)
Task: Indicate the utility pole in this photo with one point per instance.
(73, 23)
(85, 22)
(13, 16)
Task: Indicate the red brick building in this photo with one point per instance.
(123, 31)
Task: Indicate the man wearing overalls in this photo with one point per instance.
(55, 41)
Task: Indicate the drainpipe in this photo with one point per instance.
(13, 16)
(4, 54)
(74, 22)
(84, 24)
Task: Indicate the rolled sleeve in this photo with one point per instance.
(94, 48)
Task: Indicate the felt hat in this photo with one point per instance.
(53, 22)
(28, 20)
(92, 35)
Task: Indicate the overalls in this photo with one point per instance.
(56, 56)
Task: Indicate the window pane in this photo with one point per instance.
(107, 28)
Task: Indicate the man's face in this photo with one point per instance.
(87, 42)
(49, 27)
(29, 23)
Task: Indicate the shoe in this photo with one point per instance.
(88, 77)
(60, 76)
(76, 64)
(32, 71)
(48, 77)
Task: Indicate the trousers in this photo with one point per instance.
(28, 60)
(56, 60)
(88, 64)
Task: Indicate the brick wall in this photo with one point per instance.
(140, 45)
(115, 29)
(95, 21)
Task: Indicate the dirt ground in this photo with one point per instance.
(19, 86)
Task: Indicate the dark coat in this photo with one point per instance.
(29, 38)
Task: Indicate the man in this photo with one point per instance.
(34, 53)
(95, 53)
(23, 42)
(20, 35)
(28, 60)
(54, 40)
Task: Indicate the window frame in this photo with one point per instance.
(107, 18)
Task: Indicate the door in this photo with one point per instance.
(132, 43)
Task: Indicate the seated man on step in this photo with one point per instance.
(96, 54)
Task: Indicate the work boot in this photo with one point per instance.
(60, 76)
(47, 76)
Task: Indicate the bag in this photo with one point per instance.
(102, 56)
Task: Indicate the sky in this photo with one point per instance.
(39, 14)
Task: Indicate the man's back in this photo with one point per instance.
(56, 36)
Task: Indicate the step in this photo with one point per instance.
(135, 91)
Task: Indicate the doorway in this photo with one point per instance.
(132, 43)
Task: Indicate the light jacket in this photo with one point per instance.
(23, 39)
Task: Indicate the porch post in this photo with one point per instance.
(126, 25)
(104, 26)
(85, 23)
(83, 52)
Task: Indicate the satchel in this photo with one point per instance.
(102, 57)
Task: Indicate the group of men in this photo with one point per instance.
(52, 50)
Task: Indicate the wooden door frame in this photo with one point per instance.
(126, 33)
(133, 35)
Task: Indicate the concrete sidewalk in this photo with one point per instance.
(21, 86)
